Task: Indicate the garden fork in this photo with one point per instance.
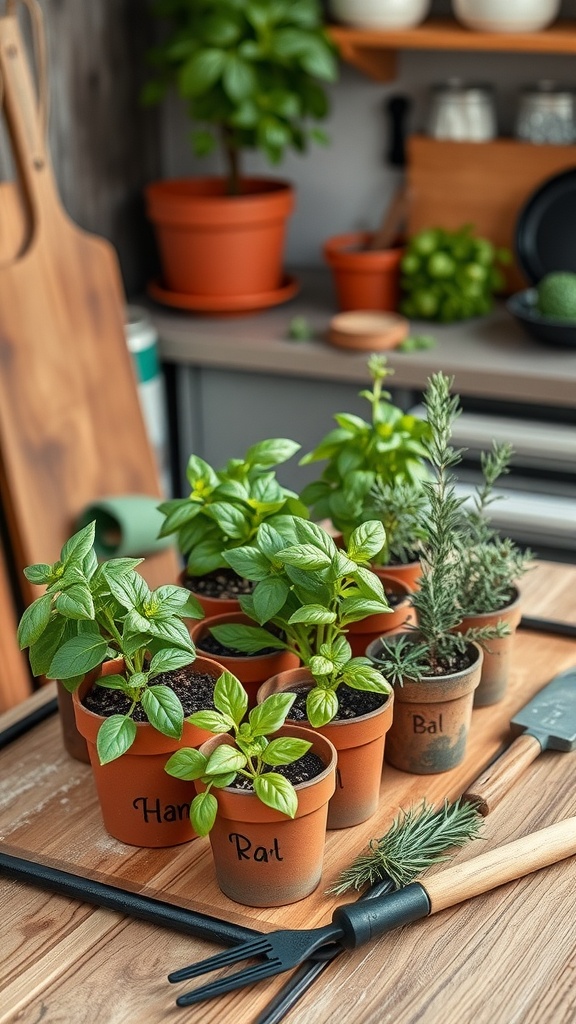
(356, 923)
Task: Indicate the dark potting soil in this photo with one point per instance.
(210, 645)
(305, 768)
(222, 583)
(351, 703)
(393, 598)
(195, 690)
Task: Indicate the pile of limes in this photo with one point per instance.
(450, 275)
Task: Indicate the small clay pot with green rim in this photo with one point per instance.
(498, 653)
(141, 804)
(262, 857)
(251, 669)
(431, 718)
(361, 633)
(360, 745)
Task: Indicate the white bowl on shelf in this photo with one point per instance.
(393, 14)
(506, 15)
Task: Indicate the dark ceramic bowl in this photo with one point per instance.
(522, 306)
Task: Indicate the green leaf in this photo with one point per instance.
(171, 598)
(168, 659)
(75, 603)
(164, 710)
(178, 516)
(224, 759)
(201, 72)
(206, 557)
(270, 716)
(39, 573)
(269, 598)
(212, 721)
(188, 764)
(320, 666)
(269, 540)
(115, 736)
(248, 562)
(238, 78)
(354, 609)
(304, 556)
(285, 751)
(174, 631)
(369, 584)
(203, 811)
(200, 472)
(247, 639)
(72, 684)
(354, 424)
(231, 520)
(113, 682)
(277, 792)
(129, 589)
(271, 452)
(42, 651)
(230, 697)
(366, 541)
(77, 656)
(79, 544)
(34, 621)
(339, 652)
(115, 568)
(313, 614)
(365, 677)
(308, 532)
(321, 706)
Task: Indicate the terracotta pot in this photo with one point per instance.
(140, 803)
(406, 572)
(363, 278)
(360, 745)
(263, 858)
(74, 742)
(213, 244)
(431, 719)
(360, 634)
(251, 669)
(497, 653)
(210, 605)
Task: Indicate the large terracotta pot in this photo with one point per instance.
(213, 244)
(360, 745)
(251, 669)
(498, 653)
(140, 803)
(431, 718)
(360, 634)
(263, 858)
(363, 278)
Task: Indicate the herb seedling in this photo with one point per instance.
(251, 756)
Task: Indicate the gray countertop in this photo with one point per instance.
(489, 357)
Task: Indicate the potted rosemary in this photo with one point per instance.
(262, 796)
(435, 667)
(125, 654)
(311, 590)
(252, 77)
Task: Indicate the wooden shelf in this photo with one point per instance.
(373, 51)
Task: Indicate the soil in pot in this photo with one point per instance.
(358, 733)
(141, 804)
(263, 858)
(218, 591)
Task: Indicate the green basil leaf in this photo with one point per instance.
(181, 512)
(369, 583)
(206, 557)
(248, 562)
(285, 750)
(320, 666)
(224, 759)
(187, 763)
(115, 568)
(201, 72)
(72, 684)
(174, 632)
(248, 639)
(339, 652)
(321, 706)
(271, 452)
(269, 540)
(365, 677)
(304, 556)
(230, 697)
(203, 811)
(168, 659)
(353, 609)
(313, 614)
(75, 603)
(164, 710)
(366, 541)
(39, 573)
(79, 544)
(129, 589)
(277, 792)
(115, 736)
(113, 682)
(77, 656)
(232, 521)
(270, 716)
(211, 721)
(269, 598)
(42, 651)
(34, 621)
(308, 532)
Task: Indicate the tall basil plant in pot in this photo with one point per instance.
(311, 590)
(252, 75)
(125, 654)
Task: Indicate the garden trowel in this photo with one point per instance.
(547, 722)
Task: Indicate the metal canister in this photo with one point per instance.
(547, 114)
(463, 112)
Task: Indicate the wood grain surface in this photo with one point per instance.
(15, 678)
(503, 957)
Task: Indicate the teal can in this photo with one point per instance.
(142, 342)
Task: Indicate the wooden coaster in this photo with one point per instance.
(367, 330)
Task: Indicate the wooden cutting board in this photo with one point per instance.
(481, 183)
(71, 427)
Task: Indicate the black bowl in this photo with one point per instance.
(522, 306)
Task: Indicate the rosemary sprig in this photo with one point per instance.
(417, 838)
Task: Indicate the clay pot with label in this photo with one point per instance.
(497, 653)
(431, 717)
(360, 745)
(251, 669)
(141, 804)
(262, 857)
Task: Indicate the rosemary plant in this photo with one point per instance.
(400, 507)
(417, 839)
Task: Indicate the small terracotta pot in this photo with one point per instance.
(251, 669)
(498, 653)
(218, 245)
(408, 573)
(263, 858)
(364, 278)
(360, 745)
(140, 803)
(210, 605)
(74, 742)
(431, 718)
(360, 634)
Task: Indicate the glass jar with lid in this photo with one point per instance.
(546, 114)
(461, 111)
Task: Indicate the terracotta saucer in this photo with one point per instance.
(367, 330)
(225, 303)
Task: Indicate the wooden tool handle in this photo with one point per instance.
(489, 788)
(504, 864)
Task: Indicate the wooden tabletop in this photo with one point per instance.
(506, 957)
